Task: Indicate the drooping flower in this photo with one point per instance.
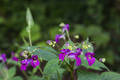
(58, 37)
(14, 58)
(24, 64)
(90, 58)
(65, 28)
(35, 62)
(3, 57)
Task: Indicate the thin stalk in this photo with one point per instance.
(68, 35)
(24, 73)
(29, 33)
(40, 70)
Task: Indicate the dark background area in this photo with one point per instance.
(97, 19)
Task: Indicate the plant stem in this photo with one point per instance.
(68, 35)
(25, 74)
(71, 70)
(29, 33)
(40, 70)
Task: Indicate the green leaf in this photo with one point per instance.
(11, 72)
(51, 67)
(110, 76)
(35, 78)
(85, 75)
(29, 18)
(45, 55)
(49, 49)
(17, 78)
(53, 70)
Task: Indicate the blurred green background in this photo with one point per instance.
(97, 19)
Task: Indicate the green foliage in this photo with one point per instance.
(8, 74)
(43, 54)
(87, 75)
(35, 78)
(110, 76)
(11, 72)
(53, 70)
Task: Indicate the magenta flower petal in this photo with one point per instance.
(90, 58)
(91, 61)
(61, 56)
(14, 58)
(78, 61)
(65, 28)
(78, 51)
(58, 37)
(72, 55)
(35, 62)
(3, 57)
(24, 64)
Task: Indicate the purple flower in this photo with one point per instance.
(75, 56)
(90, 58)
(65, 28)
(72, 55)
(78, 51)
(35, 62)
(3, 57)
(14, 58)
(63, 54)
(24, 64)
(65, 51)
(49, 42)
(67, 44)
(58, 37)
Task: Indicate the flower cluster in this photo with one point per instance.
(69, 52)
(66, 53)
(33, 61)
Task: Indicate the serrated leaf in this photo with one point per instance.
(11, 72)
(110, 76)
(85, 75)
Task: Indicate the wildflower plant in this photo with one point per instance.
(62, 57)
